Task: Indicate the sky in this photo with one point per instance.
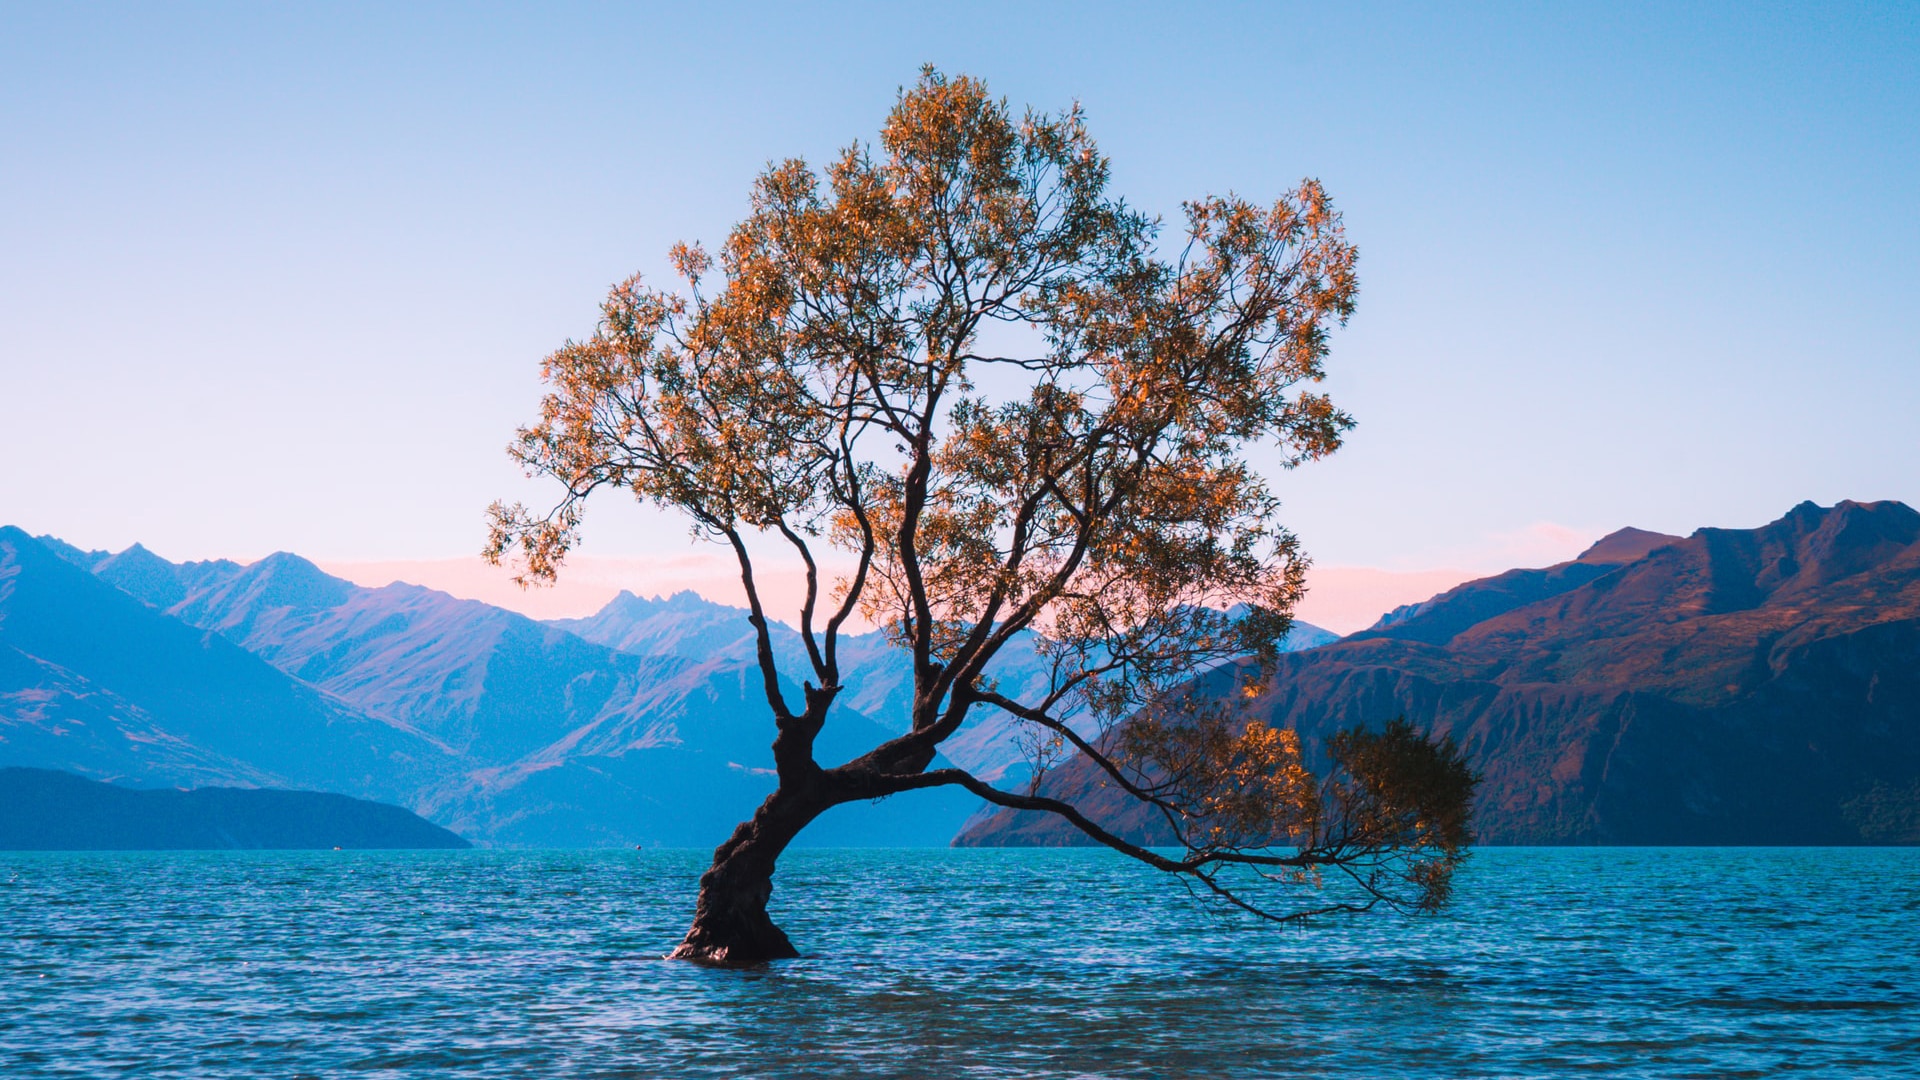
(280, 277)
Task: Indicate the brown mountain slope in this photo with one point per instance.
(1737, 686)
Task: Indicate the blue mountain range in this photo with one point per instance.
(643, 724)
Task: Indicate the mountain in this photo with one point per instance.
(685, 624)
(1737, 686)
(546, 739)
(643, 724)
(95, 681)
(1438, 620)
(879, 676)
(45, 810)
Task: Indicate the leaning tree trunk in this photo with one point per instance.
(730, 921)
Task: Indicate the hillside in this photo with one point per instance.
(44, 810)
(1738, 686)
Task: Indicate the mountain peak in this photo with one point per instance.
(1827, 545)
(136, 555)
(1625, 546)
(627, 605)
(1823, 532)
(287, 561)
(1893, 513)
(1889, 517)
(142, 573)
(284, 579)
(85, 560)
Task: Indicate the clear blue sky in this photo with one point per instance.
(277, 277)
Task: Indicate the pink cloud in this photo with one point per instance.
(1346, 599)
(586, 582)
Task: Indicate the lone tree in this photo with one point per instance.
(961, 364)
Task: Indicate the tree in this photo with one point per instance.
(959, 363)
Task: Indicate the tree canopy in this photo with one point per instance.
(977, 395)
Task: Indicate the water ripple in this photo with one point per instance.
(1645, 963)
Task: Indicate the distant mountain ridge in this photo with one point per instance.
(644, 723)
(1732, 686)
(538, 737)
(687, 626)
(93, 680)
(1735, 686)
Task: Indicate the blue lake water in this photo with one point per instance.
(1556, 962)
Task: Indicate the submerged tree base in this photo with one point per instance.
(731, 927)
(714, 950)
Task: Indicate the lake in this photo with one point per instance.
(1713, 962)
